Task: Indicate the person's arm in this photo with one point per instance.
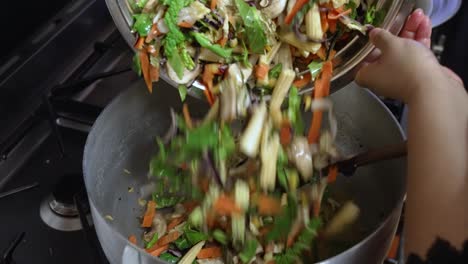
(437, 201)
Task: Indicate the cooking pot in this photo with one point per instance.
(123, 139)
(345, 63)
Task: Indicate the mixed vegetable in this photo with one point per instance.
(248, 182)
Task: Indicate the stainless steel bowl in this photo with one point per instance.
(346, 61)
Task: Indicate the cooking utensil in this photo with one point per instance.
(346, 62)
(122, 141)
(348, 166)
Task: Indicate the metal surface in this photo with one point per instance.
(346, 62)
(123, 139)
(56, 221)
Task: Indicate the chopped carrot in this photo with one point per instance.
(210, 219)
(154, 73)
(339, 13)
(158, 251)
(209, 73)
(223, 41)
(209, 96)
(332, 174)
(149, 214)
(322, 53)
(152, 34)
(392, 253)
(188, 119)
(285, 134)
(213, 4)
(225, 206)
(185, 24)
(139, 44)
(268, 205)
(303, 82)
(297, 6)
(190, 205)
(145, 69)
(324, 22)
(316, 208)
(293, 234)
(321, 89)
(175, 222)
(210, 253)
(332, 25)
(261, 71)
(168, 238)
(132, 239)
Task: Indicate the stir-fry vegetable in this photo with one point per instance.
(248, 182)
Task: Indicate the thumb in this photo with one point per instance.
(383, 39)
(367, 76)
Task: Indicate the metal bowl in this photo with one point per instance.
(346, 61)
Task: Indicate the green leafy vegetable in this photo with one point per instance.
(182, 92)
(174, 39)
(165, 201)
(153, 240)
(283, 222)
(352, 5)
(294, 111)
(187, 59)
(143, 23)
(194, 236)
(304, 242)
(275, 71)
(136, 66)
(220, 236)
(248, 252)
(182, 243)
(254, 29)
(169, 257)
(315, 68)
(141, 3)
(196, 217)
(215, 48)
(281, 163)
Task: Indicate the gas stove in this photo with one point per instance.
(53, 89)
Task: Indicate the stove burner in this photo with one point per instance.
(59, 216)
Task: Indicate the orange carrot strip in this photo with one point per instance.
(225, 206)
(208, 95)
(268, 205)
(190, 205)
(301, 83)
(213, 4)
(158, 251)
(336, 15)
(188, 119)
(332, 174)
(285, 134)
(297, 6)
(293, 234)
(261, 71)
(185, 24)
(145, 69)
(222, 41)
(132, 239)
(321, 89)
(324, 22)
(210, 253)
(322, 53)
(392, 253)
(149, 214)
(332, 25)
(139, 44)
(166, 239)
(316, 208)
(175, 222)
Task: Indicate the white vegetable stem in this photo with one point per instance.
(192, 253)
(283, 84)
(313, 24)
(343, 218)
(269, 153)
(250, 139)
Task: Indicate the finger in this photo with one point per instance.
(366, 75)
(383, 39)
(412, 24)
(452, 75)
(424, 32)
(373, 56)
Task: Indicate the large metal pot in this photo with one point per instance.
(346, 61)
(123, 140)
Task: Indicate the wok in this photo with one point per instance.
(122, 140)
